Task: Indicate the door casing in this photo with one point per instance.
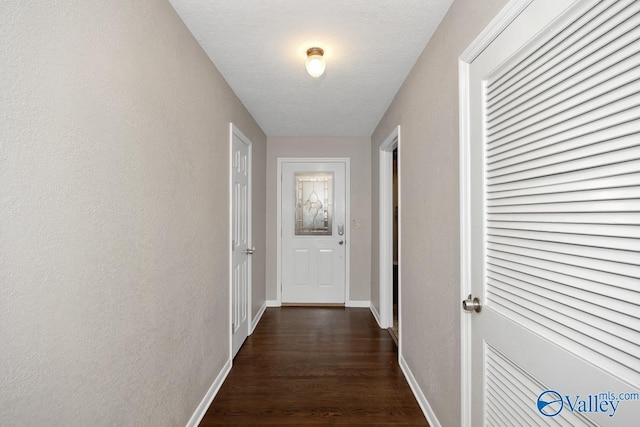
(282, 160)
(484, 39)
(385, 260)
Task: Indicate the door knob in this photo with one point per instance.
(341, 242)
(472, 304)
(250, 251)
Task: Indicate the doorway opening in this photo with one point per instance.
(390, 253)
(394, 324)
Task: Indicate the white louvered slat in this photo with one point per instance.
(573, 99)
(512, 392)
(626, 193)
(512, 408)
(586, 42)
(592, 240)
(612, 153)
(562, 129)
(580, 297)
(628, 232)
(565, 151)
(611, 127)
(613, 334)
(627, 205)
(606, 182)
(574, 90)
(585, 29)
(575, 256)
(606, 171)
(600, 283)
(621, 218)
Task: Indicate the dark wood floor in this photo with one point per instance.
(316, 366)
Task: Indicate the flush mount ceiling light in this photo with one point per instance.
(315, 62)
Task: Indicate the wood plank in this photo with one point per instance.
(316, 366)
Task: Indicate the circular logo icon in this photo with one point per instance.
(550, 403)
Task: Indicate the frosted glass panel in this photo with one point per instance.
(314, 203)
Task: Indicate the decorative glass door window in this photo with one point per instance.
(314, 203)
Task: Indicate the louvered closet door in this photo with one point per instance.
(555, 171)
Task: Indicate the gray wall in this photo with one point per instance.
(114, 218)
(426, 107)
(358, 149)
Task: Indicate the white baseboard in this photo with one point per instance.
(273, 303)
(256, 320)
(358, 304)
(417, 392)
(208, 398)
(376, 315)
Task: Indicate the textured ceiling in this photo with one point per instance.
(260, 47)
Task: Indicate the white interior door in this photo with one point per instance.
(314, 231)
(554, 190)
(241, 237)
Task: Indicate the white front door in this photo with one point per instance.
(314, 231)
(241, 237)
(554, 238)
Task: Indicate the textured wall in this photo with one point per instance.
(426, 107)
(113, 214)
(358, 149)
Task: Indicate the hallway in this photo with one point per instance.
(316, 366)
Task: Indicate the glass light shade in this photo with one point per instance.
(315, 63)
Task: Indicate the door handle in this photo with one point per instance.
(250, 251)
(472, 304)
(341, 242)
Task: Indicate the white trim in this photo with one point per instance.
(273, 303)
(497, 25)
(278, 300)
(233, 130)
(484, 39)
(358, 304)
(347, 272)
(202, 408)
(428, 412)
(465, 246)
(229, 242)
(257, 318)
(376, 315)
(347, 222)
(385, 261)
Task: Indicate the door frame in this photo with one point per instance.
(504, 18)
(386, 230)
(347, 220)
(234, 131)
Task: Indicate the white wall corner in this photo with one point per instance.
(420, 397)
(273, 303)
(211, 394)
(358, 304)
(376, 315)
(256, 319)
